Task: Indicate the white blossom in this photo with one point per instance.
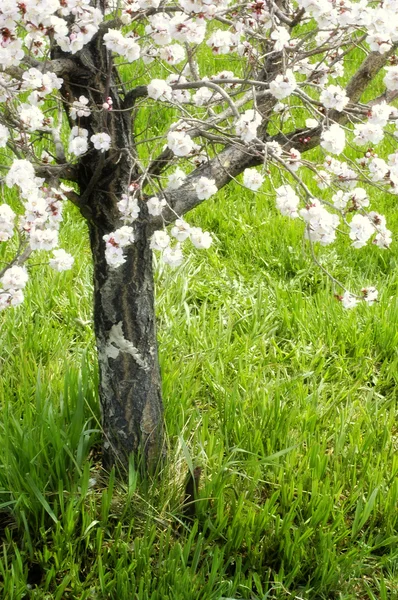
(114, 244)
(283, 85)
(340, 199)
(159, 29)
(11, 298)
(287, 201)
(61, 261)
(203, 96)
(172, 54)
(181, 230)
(333, 139)
(321, 224)
(391, 78)
(14, 278)
(160, 240)
(158, 89)
(101, 141)
(178, 96)
(176, 179)
(78, 145)
(200, 239)
(222, 41)
(383, 239)
(370, 295)
(79, 108)
(32, 79)
(378, 169)
(379, 42)
(43, 239)
(247, 124)
(31, 117)
(11, 54)
(252, 179)
(4, 135)
(281, 38)
(205, 188)
(180, 143)
(125, 46)
(36, 211)
(129, 208)
(311, 123)
(156, 205)
(20, 173)
(359, 197)
(348, 300)
(173, 256)
(124, 236)
(334, 97)
(380, 114)
(366, 133)
(294, 159)
(361, 229)
(186, 29)
(114, 256)
(7, 218)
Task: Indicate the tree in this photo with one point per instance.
(80, 78)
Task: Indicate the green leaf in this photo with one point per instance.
(41, 498)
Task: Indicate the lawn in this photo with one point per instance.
(285, 400)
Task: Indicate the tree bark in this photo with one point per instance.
(125, 329)
(124, 315)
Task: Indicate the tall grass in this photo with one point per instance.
(286, 401)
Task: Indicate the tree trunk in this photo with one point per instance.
(125, 329)
(124, 316)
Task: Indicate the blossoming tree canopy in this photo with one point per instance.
(306, 65)
(82, 76)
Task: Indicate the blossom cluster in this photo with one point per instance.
(37, 227)
(179, 141)
(181, 231)
(71, 24)
(247, 125)
(115, 243)
(78, 141)
(320, 223)
(369, 295)
(12, 284)
(129, 208)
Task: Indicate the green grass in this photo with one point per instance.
(286, 401)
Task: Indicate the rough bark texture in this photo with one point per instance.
(124, 321)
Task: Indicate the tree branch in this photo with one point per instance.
(65, 171)
(368, 70)
(140, 91)
(387, 96)
(60, 66)
(222, 168)
(372, 64)
(232, 161)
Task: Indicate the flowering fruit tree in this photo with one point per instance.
(79, 76)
